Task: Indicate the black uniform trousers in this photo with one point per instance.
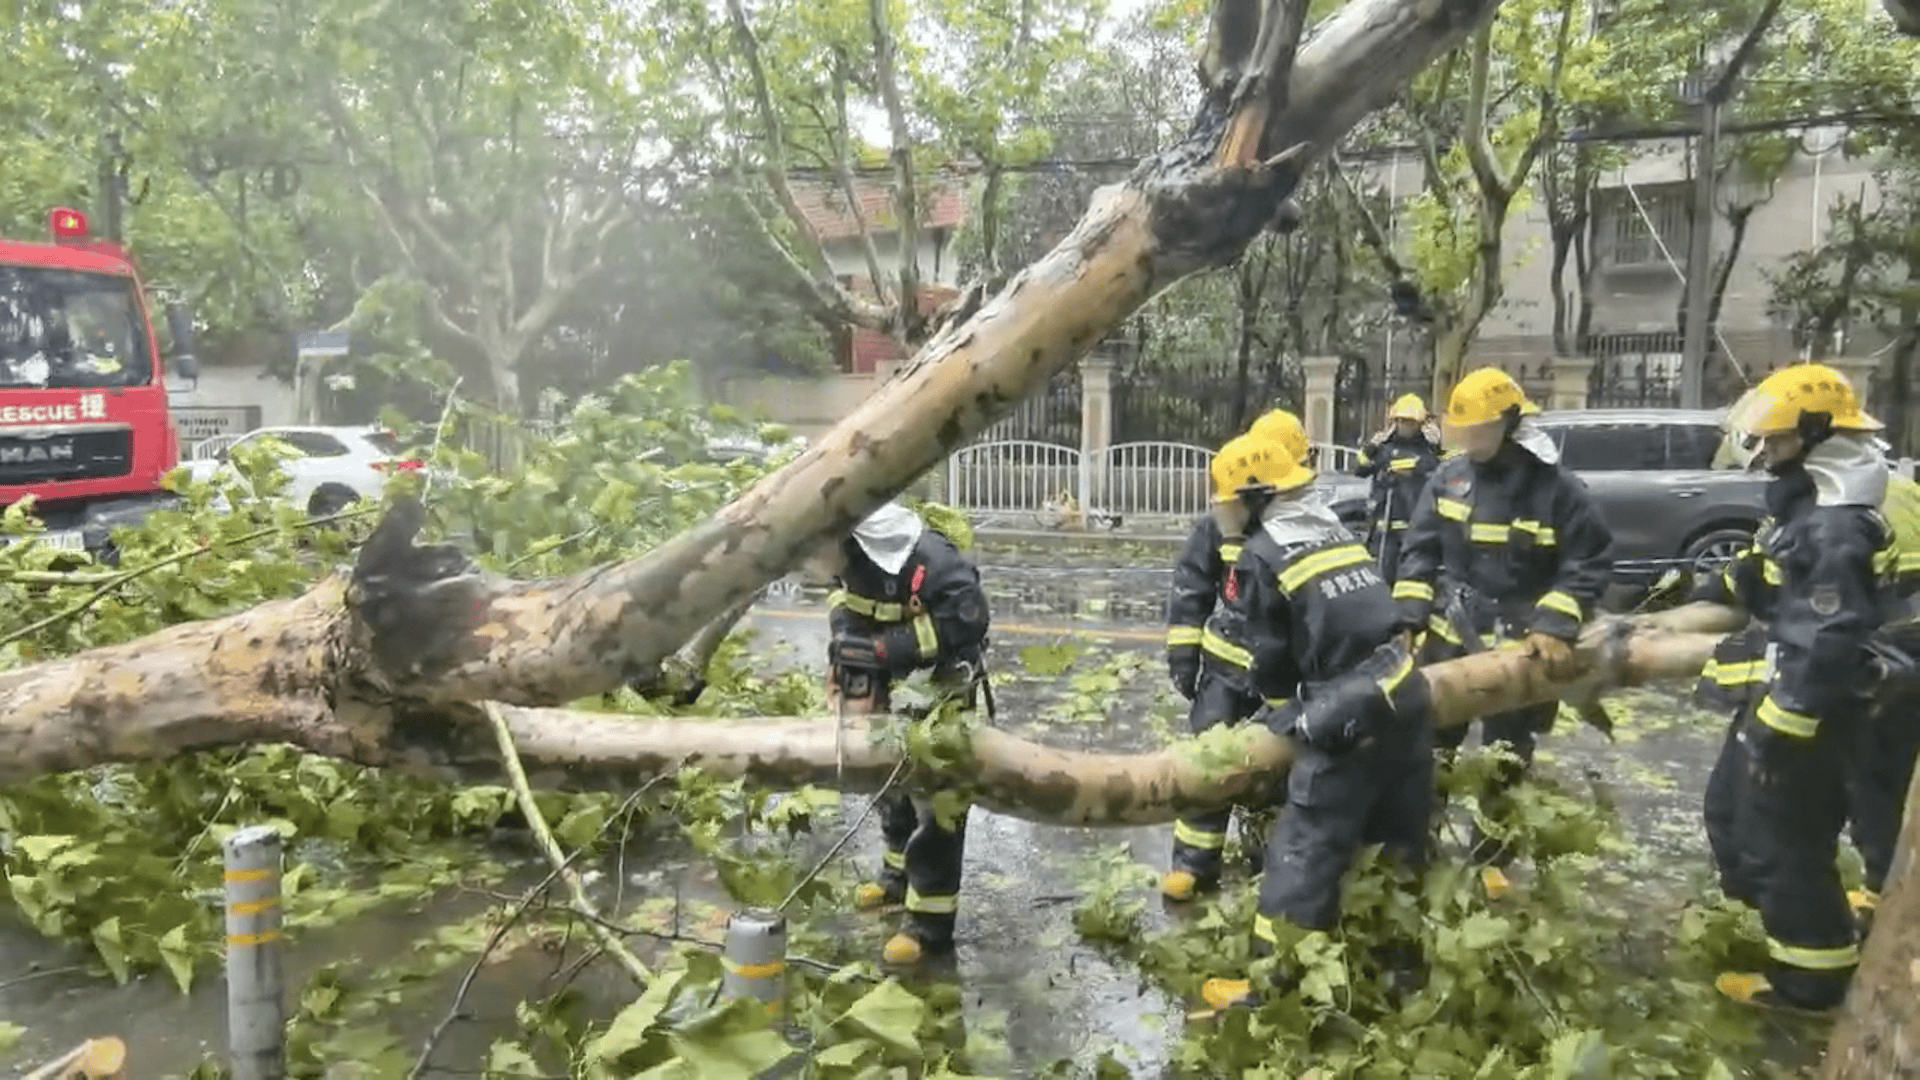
(1520, 730)
(1884, 748)
(1775, 806)
(1198, 839)
(923, 858)
(1383, 543)
(1379, 793)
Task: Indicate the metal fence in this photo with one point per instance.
(1204, 402)
(1026, 484)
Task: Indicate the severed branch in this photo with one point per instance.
(561, 861)
(390, 655)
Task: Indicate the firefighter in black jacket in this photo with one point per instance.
(1888, 736)
(1328, 654)
(906, 600)
(1400, 460)
(1205, 656)
(1505, 546)
(1818, 577)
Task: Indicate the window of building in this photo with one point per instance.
(1637, 222)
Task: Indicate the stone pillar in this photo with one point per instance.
(1859, 371)
(1322, 390)
(1570, 375)
(1096, 404)
(1096, 428)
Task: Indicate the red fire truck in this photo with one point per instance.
(84, 423)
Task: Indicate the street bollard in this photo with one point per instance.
(256, 1015)
(755, 958)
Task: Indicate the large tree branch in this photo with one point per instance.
(831, 298)
(1473, 133)
(905, 199)
(840, 139)
(135, 703)
(416, 629)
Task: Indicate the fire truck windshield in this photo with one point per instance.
(70, 328)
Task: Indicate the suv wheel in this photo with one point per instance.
(1713, 548)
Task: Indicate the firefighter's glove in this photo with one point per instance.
(1324, 726)
(1556, 653)
(1183, 666)
(1891, 663)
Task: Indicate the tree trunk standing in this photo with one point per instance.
(506, 430)
(1878, 1036)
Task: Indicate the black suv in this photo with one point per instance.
(1651, 473)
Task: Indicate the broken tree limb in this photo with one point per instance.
(423, 624)
(575, 750)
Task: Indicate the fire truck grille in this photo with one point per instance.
(76, 455)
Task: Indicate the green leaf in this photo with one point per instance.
(42, 848)
(178, 956)
(106, 941)
(739, 1055)
(511, 1059)
(846, 1054)
(890, 1013)
(1578, 1055)
(1050, 660)
(631, 1027)
(10, 1035)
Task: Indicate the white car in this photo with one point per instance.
(331, 466)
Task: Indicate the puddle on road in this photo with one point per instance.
(1027, 980)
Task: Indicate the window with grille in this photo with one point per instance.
(1632, 232)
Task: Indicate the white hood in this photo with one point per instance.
(1536, 442)
(888, 536)
(1848, 470)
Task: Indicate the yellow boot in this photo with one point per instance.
(873, 896)
(1494, 881)
(1179, 886)
(1750, 988)
(901, 949)
(1223, 994)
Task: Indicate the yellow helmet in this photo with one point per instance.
(1485, 395)
(1252, 462)
(1409, 407)
(1782, 398)
(1283, 428)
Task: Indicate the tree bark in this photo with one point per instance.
(1878, 1035)
(254, 678)
(414, 630)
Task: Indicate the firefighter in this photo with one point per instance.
(1207, 663)
(1817, 578)
(1328, 654)
(1399, 459)
(1889, 741)
(1505, 547)
(906, 600)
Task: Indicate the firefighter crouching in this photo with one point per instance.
(1504, 546)
(1817, 577)
(1205, 654)
(1328, 654)
(1399, 459)
(905, 600)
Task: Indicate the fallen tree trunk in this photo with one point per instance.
(423, 626)
(566, 749)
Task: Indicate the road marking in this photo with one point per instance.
(1114, 633)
